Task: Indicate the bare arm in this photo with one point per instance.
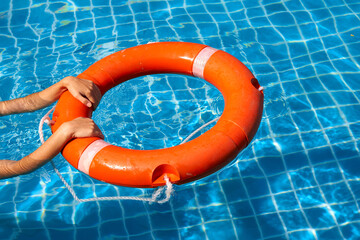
(80, 127)
(84, 90)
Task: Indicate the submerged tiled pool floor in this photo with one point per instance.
(298, 179)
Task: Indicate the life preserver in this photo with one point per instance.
(187, 162)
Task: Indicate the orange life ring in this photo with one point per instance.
(184, 163)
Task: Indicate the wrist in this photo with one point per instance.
(65, 132)
(64, 84)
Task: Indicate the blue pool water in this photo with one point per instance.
(298, 179)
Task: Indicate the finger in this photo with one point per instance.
(83, 100)
(89, 94)
(101, 135)
(93, 96)
(96, 94)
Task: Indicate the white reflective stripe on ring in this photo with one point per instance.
(88, 155)
(201, 60)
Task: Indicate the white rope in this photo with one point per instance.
(197, 130)
(45, 119)
(154, 198)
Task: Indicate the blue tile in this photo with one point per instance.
(295, 161)
(351, 230)
(255, 12)
(162, 220)
(349, 67)
(271, 165)
(303, 178)
(319, 56)
(314, 139)
(269, 35)
(294, 220)
(145, 236)
(286, 201)
(19, 5)
(166, 234)
(209, 193)
(320, 12)
(193, 233)
(355, 187)
(306, 121)
(352, 113)
(327, 173)
(137, 225)
(290, 74)
(87, 233)
(344, 97)
(299, 103)
(281, 17)
(264, 205)
(256, 187)
(321, 100)
(292, 88)
(279, 183)
(352, 80)
(214, 213)
(336, 53)
(279, 56)
(39, 234)
(338, 135)
(345, 23)
(346, 213)
(283, 125)
(234, 190)
(250, 169)
(290, 33)
(260, 21)
(290, 144)
(60, 234)
(350, 168)
(346, 150)
(329, 117)
(188, 218)
(353, 49)
(333, 233)
(241, 209)
(303, 234)
(302, 17)
(213, 233)
(319, 217)
(270, 225)
(117, 228)
(336, 193)
(309, 30)
(247, 228)
(322, 154)
(333, 82)
(275, 8)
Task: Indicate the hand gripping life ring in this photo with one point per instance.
(184, 163)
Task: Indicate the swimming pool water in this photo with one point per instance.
(298, 179)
